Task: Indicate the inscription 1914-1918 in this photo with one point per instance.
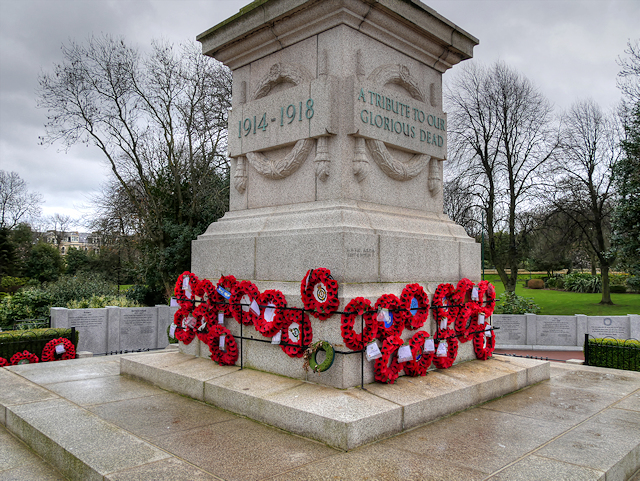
(286, 116)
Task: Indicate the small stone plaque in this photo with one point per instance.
(91, 325)
(616, 327)
(556, 331)
(513, 329)
(138, 328)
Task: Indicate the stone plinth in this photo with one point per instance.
(336, 140)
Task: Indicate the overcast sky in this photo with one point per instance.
(568, 48)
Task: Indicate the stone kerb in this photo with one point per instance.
(114, 329)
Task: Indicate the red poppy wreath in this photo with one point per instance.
(229, 354)
(421, 360)
(50, 351)
(205, 317)
(442, 299)
(223, 289)
(462, 309)
(358, 307)
(384, 371)
(487, 295)
(3, 362)
(243, 295)
(452, 352)
(185, 287)
(297, 332)
(272, 316)
(183, 331)
(319, 293)
(416, 303)
(24, 357)
(393, 324)
(484, 343)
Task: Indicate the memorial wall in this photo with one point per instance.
(115, 329)
(531, 330)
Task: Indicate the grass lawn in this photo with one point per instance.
(563, 303)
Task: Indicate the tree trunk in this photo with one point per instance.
(606, 294)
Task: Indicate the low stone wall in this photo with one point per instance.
(117, 328)
(531, 331)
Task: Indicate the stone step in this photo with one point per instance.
(342, 418)
(72, 439)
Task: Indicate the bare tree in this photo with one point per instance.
(584, 190)
(502, 138)
(17, 204)
(458, 205)
(629, 76)
(160, 121)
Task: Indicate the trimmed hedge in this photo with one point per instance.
(613, 353)
(32, 340)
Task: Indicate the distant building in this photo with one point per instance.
(80, 240)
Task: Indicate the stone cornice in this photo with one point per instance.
(409, 26)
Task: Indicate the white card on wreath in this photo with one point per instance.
(172, 331)
(404, 353)
(221, 342)
(442, 349)
(474, 294)
(60, 349)
(255, 307)
(481, 318)
(373, 351)
(220, 317)
(276, 338)
(429, 346)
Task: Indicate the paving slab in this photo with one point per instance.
(480, 438)
(69, 370)
(170, 469)
(101, 389)
(545, 469)
(159, 415)
(601, 380)
(609, 442)
(243, 450)
(383, 463)
(554, 403)
(342, 418)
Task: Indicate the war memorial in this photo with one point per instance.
(335, 266)
(334, 301)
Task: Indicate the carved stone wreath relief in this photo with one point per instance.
(393, 168)
(279, 168)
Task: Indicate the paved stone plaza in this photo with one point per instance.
(92, 423)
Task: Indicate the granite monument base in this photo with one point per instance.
(344, 419)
